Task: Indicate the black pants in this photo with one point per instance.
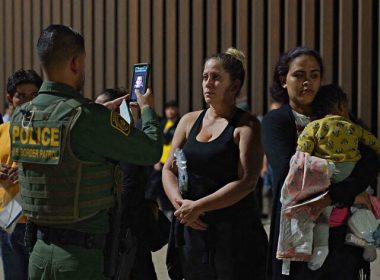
(228, 250)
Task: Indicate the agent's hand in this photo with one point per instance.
(144, 100)
(114, 104)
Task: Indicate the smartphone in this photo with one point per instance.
(140, 79)
(125, 112)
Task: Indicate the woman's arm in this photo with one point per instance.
(169, 171)
(279, 142)
(250, 161)
(365, 172)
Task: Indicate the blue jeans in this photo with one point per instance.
(14, 254)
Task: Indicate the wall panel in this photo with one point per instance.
(176, 36)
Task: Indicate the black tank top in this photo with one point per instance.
(211, 165)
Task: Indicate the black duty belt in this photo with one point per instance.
(61, 236)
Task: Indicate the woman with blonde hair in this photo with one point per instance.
(217, 232)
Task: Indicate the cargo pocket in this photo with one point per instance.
(37, 267)
(67, 270)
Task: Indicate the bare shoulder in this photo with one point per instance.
(187, 121)
(249, 121)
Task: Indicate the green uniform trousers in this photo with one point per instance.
(65, 262)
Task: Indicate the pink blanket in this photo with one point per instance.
(307, 177)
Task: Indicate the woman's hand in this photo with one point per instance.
(188, 213)
(323, 202)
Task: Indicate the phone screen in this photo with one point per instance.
(139, 79)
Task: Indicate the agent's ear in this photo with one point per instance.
(75, 64)
(283, 81)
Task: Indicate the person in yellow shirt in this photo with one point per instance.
(155, 189)
(22, 86)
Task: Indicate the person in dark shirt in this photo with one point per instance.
(296, 81)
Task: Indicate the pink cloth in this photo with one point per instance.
(338, 217)
(375, 202)
(308, 176)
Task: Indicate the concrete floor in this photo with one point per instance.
(159, 263)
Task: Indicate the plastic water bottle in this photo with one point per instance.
(182, 170)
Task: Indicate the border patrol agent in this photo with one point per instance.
(65, 147)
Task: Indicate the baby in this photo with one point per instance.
(335, 138)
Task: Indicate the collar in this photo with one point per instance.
(56, 88)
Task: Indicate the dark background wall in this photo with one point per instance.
(175, 36)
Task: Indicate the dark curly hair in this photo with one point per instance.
(278, 93)
(327, 99)
(22, 77)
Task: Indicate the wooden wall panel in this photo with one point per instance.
(133, 33)
(345, 46)
(99, 47)
(176, 36)
(184, 87)
(121, 46)
(67, 11)
(226, 29)
(145, 31)
(326, 39)
(364, 61)
(77, 15)
(9, 37)
(211, 27)
(308, 23)
(378, 80)
(88, 32)
(57, 11)
(197, 53)
(2, 53)
(158, 54)
(242, 43)
(27, 49)
(273, 43)
(257, 60)
(110, 44)
(291, 23)
(17, 29)
(36, 30)
(171, 50)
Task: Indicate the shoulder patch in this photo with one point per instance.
(119, 123)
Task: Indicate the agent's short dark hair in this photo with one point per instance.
(327, 99)
(57, 44)
(22, 77)
(278, 93)
(113, 93)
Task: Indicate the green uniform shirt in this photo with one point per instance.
(99, 136)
